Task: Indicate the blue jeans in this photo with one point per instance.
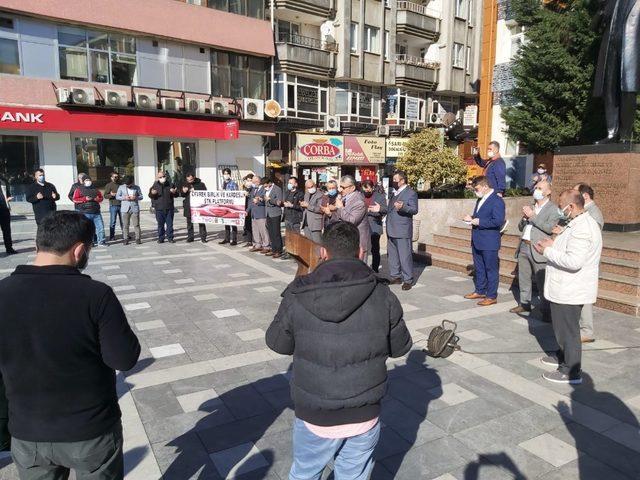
(165, 217)
(114, 214)
(353, 457)
(96, 218)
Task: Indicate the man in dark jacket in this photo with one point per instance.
(162, 193)
(192, 183)
(58, 364)
(110, 191)
(87, 199)
(43, 196)
(292, 208)
(494, 168)
(376, 210)
(79, 182)
(341, 324)
(5, 216)
(230, 231)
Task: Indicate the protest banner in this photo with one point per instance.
(222, 207)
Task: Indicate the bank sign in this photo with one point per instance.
(319, 149)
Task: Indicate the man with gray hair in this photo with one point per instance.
(351, 207)
(312, 219)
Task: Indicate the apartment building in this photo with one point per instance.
(133, 87)
(345, 68)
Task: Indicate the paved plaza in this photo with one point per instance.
(208, 400)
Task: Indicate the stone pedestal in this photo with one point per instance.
(613, 171)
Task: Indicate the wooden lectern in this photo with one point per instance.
(304, 250)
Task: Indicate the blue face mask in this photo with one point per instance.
(563, 216)
(332, 193)
(289, 186)
(41, 178)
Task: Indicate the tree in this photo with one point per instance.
(427, 160)
(553, 73)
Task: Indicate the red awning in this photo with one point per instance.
(115, 123)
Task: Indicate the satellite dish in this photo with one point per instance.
(272, 108)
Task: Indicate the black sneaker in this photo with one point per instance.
(171, 240)
(223, 242)
(559, 377)
(234, 243)
(139, 242)
(551, 361)
(126, 242)
(189, 240)
(160, 241)
(11, 251)
(204, 240)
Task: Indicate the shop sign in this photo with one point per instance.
(364, 150)
(470, 118)
(396, 147)
(413, 109)
(319, 149)
(22, 117)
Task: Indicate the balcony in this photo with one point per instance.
(416, 20)
(414, 72)
(320, 8)
(305, 55)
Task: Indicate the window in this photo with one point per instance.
(405, 105)
(467, 62)
(9, 56)
(386, 45)
(470, 13)
(357, 103)
(288, 32)
(458, 55)
(19, 158)
(250, 8)
(234, 75)
(460, 9)
(7, 23)
(301, 97)
(96, 56)
(354, 37)
(98, 157)
(176, 158)
(371, 39)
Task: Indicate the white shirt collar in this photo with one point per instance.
(397, 192)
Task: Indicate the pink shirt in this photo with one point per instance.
(342, 431)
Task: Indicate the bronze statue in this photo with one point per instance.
(618, 71)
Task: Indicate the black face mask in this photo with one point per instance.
(83, 262)
(394, 185)
(368, 194)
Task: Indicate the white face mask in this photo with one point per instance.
(479, 194)
(87, 183)
(491, 153)
(311, 190)
(537, 194)
(162, 180)
(226, 177)
(541, 171)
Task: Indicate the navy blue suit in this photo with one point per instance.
(496, 172)
(485, 244)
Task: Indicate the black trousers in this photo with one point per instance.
(375, 252)
(5, 225)
(247, 231)
(5, 438)
(202, 230)
(275, 235)
(566, 326)
(231, 233)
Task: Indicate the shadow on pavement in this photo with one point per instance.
(502, 460)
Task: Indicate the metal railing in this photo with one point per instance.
(417, 8)
(302, 41)
(416, 61)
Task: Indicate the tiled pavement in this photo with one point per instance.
(209, 401)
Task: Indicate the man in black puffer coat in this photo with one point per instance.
(340, 323)
(192, 183)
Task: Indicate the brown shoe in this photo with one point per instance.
(407, 286)
(587, 340)
(256, 249)
(520, 309)
(395, 281)
(488, 301)
(276, 255)
(268, 253)
(474, 296)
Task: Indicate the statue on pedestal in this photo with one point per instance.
(617, 78)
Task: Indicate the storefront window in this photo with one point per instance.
(357, 103)
(9, 56)
(234, 75)
(177, 158)
(98, 157)
(19, 158)
(96, 56)
(305, 98)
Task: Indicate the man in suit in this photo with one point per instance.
(351, 207)
(230, 231)
(129, 195)
(274, 200)
(537, 223)
(43, 196)
(586, 316)
(376, 210)
(312, 216)
(486, 222)
(5, 216)
(402, 207)
(495, 170)
(259, 217)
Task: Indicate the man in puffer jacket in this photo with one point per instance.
(340, 323)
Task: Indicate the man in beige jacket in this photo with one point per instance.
(571, 282)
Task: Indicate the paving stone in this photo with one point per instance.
(153, 324)
(238, 275)
(604, 344)
(238, 460)
(131, 307)
(455, 298)
(111, 267)
(265, 289)
(475, 335)
(124, 288)
(452, 394)
(117, 277)
(231, 312)
(550, 449)
(204, 400)
(205, 297)
(182, 281)
(248, 335)
(172, 271)
(457, 279)
(167, 350)
(161, 262)
(406, 308)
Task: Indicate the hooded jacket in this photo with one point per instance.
(340, 323)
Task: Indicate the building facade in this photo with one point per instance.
(108, 86)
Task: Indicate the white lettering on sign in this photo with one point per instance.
(20, 117)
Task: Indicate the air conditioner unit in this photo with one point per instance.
(83, 96)
(435, 119)
(195, 105)
(383, 130)
(410, 125)
(146, 100)
(171, 104)
(63, 95)
(331, 123)
(219, 107)
(115, 98)
(252, 109)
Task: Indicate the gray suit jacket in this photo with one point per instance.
(355, 212)
(274, 204)
(129, 205)
(541, 226)
(258, 210)
(595, 213)
(400, 222)
(312, 215)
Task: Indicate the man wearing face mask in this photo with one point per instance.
(329, 203)
(486, 222)
(312, 215)
(495, 170)
(79, 183)
(376, 210)
(273, 203)
(351, 207)
(259, 216)
(537, 224)
(248, 187)
(571, 282)
(230, 231)
(110, 191)
(540, 175)
(87, 199)
(192, 183)
(162, 193)
(43, 196)
(59, 366)
(130, 195)
(292, 208)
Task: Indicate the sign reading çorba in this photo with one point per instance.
(319, 149)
